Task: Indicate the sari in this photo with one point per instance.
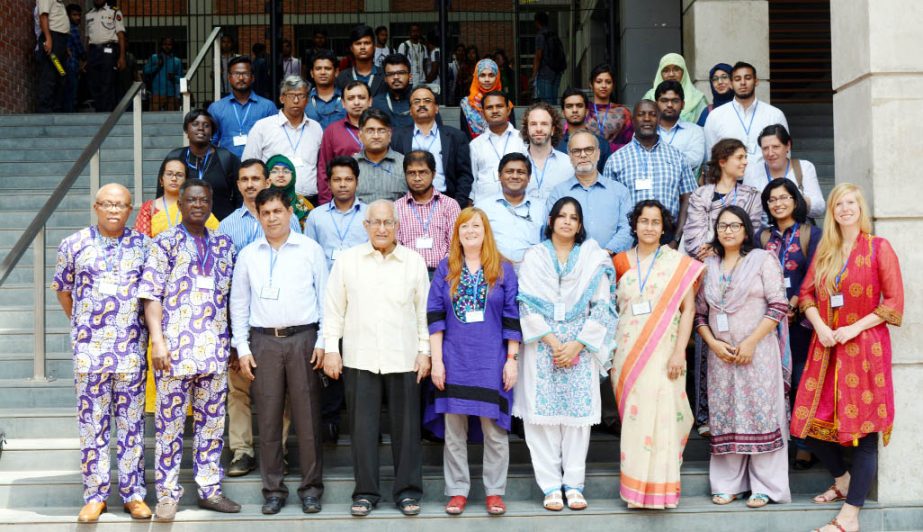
(825, 409)
(694, 100)
(655, 413)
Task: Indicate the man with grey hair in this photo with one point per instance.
(96, 279)
(292, 134)
(376, 302)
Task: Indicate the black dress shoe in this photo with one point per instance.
(273, 505)
(241, 466)
(331, 433)
(310, 505)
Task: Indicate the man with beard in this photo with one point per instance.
(325, 104)
(362, 48)
(236, 113)
(745, 117)
(574, 105)
(685, 136)
(395, 102)
(342, 136)
(541, 130)
(652, 169)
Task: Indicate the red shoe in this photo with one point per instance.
(495, 505)
(456, 505)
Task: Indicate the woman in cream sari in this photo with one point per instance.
(656, 300)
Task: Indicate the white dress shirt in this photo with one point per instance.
(274, 135)
(486, 151)
(732, 121)
(689, 139)
(377, 305)
(277, 289)
(758, 177)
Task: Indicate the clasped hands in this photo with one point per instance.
(565, 354)
(740, 354)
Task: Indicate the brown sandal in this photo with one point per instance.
(834, 522)
(839, 496)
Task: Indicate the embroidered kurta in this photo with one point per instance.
(846, 391)
(107, 328)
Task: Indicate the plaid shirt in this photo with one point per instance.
(434, 219)
(664, 164)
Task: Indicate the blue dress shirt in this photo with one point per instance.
(606, 206)
(515, 229)
(335, 230)
(244, 228)
(323, 112)
(233, 119)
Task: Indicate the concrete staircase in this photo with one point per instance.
(40, 484)
(811, 127)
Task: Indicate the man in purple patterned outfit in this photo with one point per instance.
(185, 285)
(96, 278)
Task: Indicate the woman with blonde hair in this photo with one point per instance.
(852, 290)
(474, 340)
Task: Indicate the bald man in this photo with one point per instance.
(97, 275)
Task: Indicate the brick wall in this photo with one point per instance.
(17, 84)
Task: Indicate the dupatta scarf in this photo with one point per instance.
(471, 105)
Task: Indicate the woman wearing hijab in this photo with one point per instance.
(282, 176)
(721, 93)
(486, 79)
(673, 67)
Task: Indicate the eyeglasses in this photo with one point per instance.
(581, 152)
(396, 73)
(109, 206)
(280, 171)
(729, 228)
(419, 101)
(724, 78)
(296, 96)
(376, 132)
(387, 224)
(176, 175)
(777, 199)
(239, 75)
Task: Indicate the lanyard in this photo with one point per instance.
(300, 134)
(839, 276)
(741, 119)
(202, 258)
(316, 110)
(788, 245)
(643, 282)
(240, 123)
(273, 257)
(371, 77)
(413, 209)
(512, 209)
(673, 136)
(505, 144)
(788, 166)
(342, 236)
(724, 200)
(381, 166)
(100, 243)
(601, 124)
(539, 176)
(355, 138)
(166, 212)
(419, 146)
(725, 280)
(402, 113)
(200, 170)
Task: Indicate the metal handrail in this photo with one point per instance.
(211, 41)
(35, 232)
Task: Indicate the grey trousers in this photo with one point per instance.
(455, 456)
(284, 366)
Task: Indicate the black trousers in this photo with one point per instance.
(364, 392)
(332, 399)
(102, 75)
(50, 91)
(284, 366)
(864, 464)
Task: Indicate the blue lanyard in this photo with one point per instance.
(203, 260)
(316, 110)
(839, 276)
(539, 176)
(98, 239)
(601, 124)
(724, 200)
(342, 236)
(512, 210)
(788, 165)
(200, 169)
(355, 138)
(413, 209)
(643, 282)
(166, 212)
(240, 123)
(300, 134)
(788, 245)
(747, 128)
(419, 146)
(505, 144)
(381, 166)
(673, 136)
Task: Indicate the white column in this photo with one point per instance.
(878, 78)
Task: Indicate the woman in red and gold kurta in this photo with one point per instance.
(845, 397)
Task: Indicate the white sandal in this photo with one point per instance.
(575, 499)
(554, 502)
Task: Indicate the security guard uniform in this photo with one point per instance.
(104, 24)
(50, 93)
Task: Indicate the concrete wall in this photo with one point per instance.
(647, 31)
(878, 108)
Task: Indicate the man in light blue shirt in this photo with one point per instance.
(606, 204)
(686, 137)
(515, 218)
(236, 113)
(243, 225)
(541, 131)
(337, 225)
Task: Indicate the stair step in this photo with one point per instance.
(81, 142)
(85, 119)
(20, 367)
(28, 170)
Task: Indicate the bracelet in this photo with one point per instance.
(514, 356)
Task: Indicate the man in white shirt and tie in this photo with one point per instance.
(277, 312)
(488, 148)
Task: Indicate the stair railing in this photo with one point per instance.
(34, 234)
(215, 44)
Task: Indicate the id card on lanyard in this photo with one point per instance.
(108, 284)
(836, 299)
(203, 279)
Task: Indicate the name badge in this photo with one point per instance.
(107, 287)
(559, 311)
(240, 140)
(836, 300)
(297, 161)
(336, 254)
(788, 283)
(723, 325)
(644, 184)
(269, 292)
(474, 316)
(424, 242)
(640, 309)
(108, 50)
(204, 283)
(535, 193)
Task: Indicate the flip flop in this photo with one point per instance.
(723, 498)
(839, 496)
(757, 500)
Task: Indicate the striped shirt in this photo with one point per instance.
(382, 180)
(244, 228)
(427, 227)
(663, 164)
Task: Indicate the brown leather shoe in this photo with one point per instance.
(137, 509)
(91, 511)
